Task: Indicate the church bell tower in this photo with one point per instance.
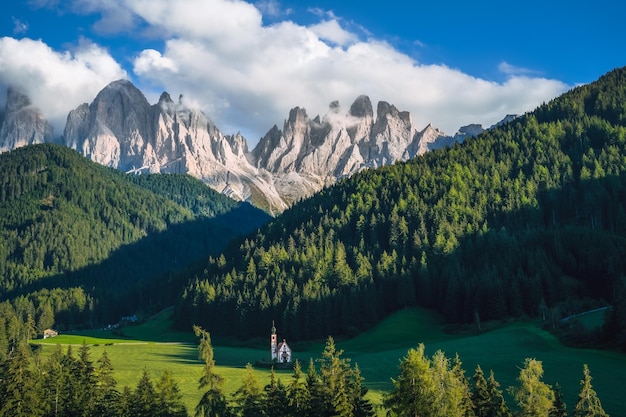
(273, 351)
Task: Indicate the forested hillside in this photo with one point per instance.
(525, 219)
(81, 244)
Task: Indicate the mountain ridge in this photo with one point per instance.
(121, 129)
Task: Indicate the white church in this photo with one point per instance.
(281, 352)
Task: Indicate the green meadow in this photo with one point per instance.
(153, 346)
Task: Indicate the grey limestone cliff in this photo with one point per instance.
(121, 129)
(21, 123)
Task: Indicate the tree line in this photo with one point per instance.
(66, 384)
(524, 218)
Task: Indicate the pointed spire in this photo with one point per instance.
(273, 328)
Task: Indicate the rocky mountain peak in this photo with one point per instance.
(121, 92)
(507, 119)
(297, 115)
(16, 99)
(385, 109)
(114, 129)
(166, 104)
(432, 138)
(473, 129)
(362, 107)
(165, 98)
(21, 123)
(238, 144)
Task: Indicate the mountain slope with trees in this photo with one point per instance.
(525, 219)
(81, 244)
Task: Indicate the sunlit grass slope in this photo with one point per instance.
(155, 347)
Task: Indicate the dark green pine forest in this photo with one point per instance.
(82, 245)
(525, 220)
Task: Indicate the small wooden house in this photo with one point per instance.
(50, 333)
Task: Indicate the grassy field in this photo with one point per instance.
(154, 347)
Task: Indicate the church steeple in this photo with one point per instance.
(273, 343)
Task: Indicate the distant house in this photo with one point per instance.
(50, 333)
(281, 352)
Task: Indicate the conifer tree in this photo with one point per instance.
(249, 397)
(86, 381)
(169, 399)
(144, 398)
(106, 395)
(588, 404)
(432, 387)
(317, 404)
(69, 400)
(362, 406)
(298, 393)
(19, 386)
(413, 390)
(125, 406)
(480, 394)
(52, 382)
(276, 400)
(498, 403)
(213, 403)
(335, 372)
(559, 409)
(462, 395)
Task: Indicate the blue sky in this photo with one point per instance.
(246, 64)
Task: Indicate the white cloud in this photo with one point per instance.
(216, 22)
(150, 59)
(272, 8)
(247, 75)
(55, 81)
(513, 70)
(19, 26)
(330, 30)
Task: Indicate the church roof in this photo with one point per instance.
(281, 344)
